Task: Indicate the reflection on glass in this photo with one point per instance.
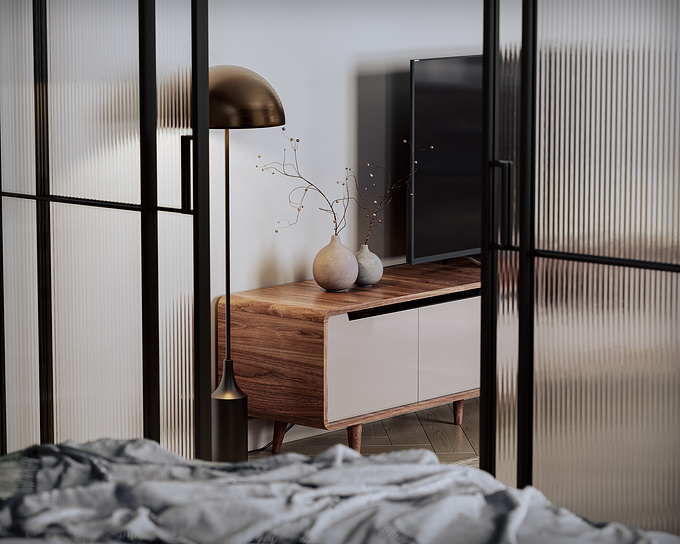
(176, 306)
(17, 133)
(21, 323)
(173, 76)
(96, 300)
(607, 120)
(607, 390)
(94, 99)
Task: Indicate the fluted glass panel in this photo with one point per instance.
(93, 72)
(607, 346)
(507, 136)
(96, 294)
(173, 61)
(506, 365)
(21, 322)
(17, 132)
(176, 295)
(609, 139)
(607, 392)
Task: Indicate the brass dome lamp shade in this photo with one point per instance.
(239, 98)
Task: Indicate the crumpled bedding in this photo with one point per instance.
(137, 491)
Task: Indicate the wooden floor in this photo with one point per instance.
(431, 429)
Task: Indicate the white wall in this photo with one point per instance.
(315, 54)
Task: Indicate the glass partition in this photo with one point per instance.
(607, 287)
(96, 301)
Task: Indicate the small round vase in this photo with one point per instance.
(370, 267)
(335, 267)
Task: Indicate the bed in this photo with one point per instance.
(137, 491)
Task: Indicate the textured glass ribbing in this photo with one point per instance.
(506, 365)
(96, 294)
(93, 72)
(17, 133)
(508, 95)
(173, 61)
(21, 323)
(607, 393)
(507, 128)
(609, 137)
(176, 290)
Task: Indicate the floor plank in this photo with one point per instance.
(406, 430)
(375, 433)
(444, 436)
(471, 422)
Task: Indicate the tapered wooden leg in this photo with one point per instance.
(279, 432)
(458, 412)
(354, 437)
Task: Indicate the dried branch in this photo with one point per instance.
(291, 169)
(370, 199)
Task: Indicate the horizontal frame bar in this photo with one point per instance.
(614, 261)
(93, 203)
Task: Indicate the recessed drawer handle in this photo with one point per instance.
(411, 304)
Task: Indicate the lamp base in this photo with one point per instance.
(229, 406)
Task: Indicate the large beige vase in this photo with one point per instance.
(335, 267)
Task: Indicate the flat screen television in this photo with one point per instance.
(445, 200)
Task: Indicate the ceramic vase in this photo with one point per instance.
(335, 267)
(370, 267)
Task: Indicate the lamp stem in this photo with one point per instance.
(227, 257)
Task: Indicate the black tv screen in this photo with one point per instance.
(446, 192)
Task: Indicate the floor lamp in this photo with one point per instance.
(239, 98)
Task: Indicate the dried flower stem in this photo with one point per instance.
(291, 169)
(374, 202)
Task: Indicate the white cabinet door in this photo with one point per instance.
(449, 347)
(372, 363)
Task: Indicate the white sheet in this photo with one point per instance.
(136, 491)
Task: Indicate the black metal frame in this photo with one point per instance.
(526, 249)
(526, 280)
(201, 193)
(149, 229)
(44, 256)
(149, 220)
(488, 379)
(3, 383)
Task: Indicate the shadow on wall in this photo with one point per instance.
(383, 122)
(270, 269)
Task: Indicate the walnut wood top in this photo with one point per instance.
(305, 300)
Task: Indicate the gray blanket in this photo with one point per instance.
(136, 491)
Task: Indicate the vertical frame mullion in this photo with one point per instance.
(3, 368)
(488, 376)
(526, 283)
(149, 220)
(43, 234)
(201, 234)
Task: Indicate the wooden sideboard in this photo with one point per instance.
(338, 360)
